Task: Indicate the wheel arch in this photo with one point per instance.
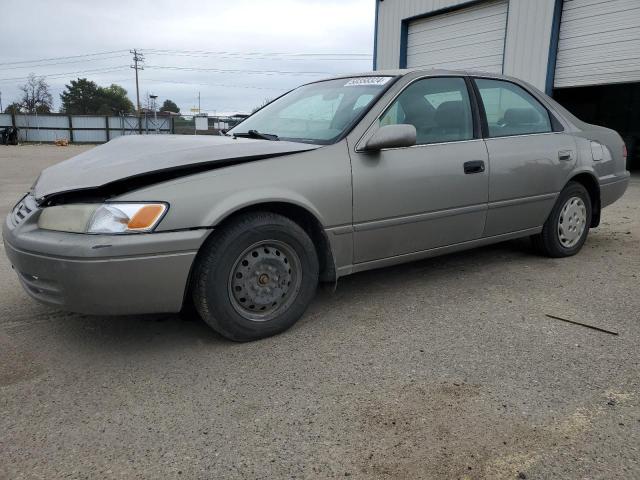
(590, 183)
(302, 216)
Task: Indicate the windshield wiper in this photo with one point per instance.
(257, 134)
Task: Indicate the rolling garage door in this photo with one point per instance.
(466, 39)
(599, 43)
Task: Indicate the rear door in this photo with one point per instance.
(433, 194)
(530, 157)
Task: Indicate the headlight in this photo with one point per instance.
(126, 217)
(103, 218)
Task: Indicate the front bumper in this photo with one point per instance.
(102, 274)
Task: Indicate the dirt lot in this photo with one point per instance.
(446, 368)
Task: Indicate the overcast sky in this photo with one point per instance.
(319, 36)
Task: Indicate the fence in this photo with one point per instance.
(83, 128)
(186, 125)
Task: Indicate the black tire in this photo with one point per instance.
(549, 241)
(268, 243)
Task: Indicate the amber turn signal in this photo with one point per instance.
(146, 217)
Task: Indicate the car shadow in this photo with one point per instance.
(440, 267)
(176, 331)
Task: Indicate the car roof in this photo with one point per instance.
(401, 72)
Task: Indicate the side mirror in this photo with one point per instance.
(392, 136)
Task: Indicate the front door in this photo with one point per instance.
(408, 200)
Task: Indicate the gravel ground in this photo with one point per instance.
(445, 368)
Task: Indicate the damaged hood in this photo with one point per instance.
(136, 156)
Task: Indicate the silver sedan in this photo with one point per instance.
(332, 178)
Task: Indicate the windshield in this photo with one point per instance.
(316, 113)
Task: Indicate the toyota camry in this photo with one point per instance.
(335, 177)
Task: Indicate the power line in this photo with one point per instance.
(282, 54)
(138, 59)
(160, 67)
(251, 87)
(237, 57)
(258, 72)
(263, 57)
(192, 53)
(57, 75)
(62, 58)
(63, 63)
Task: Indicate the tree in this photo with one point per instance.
(13, 108)
(84, 97)
(114, 101)
(36, 96)
(169, 106)
(80, 97)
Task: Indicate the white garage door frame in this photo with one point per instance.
(598, 43)
(442, 16)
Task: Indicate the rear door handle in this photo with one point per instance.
(474, 166)
(565, 155)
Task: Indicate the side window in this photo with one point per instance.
(439, 108)
(511, 110)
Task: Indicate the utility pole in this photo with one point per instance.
(199, 103)
(1, 110)
(137, 58)
(155, 113)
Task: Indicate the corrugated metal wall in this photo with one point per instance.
(88, 129)
(5, 120)
(42, 128)
(528, 34)
(529, 27)
(436, 42)
(390, 15)
(599, 43)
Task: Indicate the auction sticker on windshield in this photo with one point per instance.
(364, 81)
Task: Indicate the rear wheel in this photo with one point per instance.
(567, 227)
(256, 277)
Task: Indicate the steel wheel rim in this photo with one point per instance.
(572, 222)
(264, 280)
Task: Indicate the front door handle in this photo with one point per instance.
(565, 155)
(474, 166)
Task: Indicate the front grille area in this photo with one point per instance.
(23, 209)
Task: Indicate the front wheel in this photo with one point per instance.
(567, 227)
(256, 276)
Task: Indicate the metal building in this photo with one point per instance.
(585, 53)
